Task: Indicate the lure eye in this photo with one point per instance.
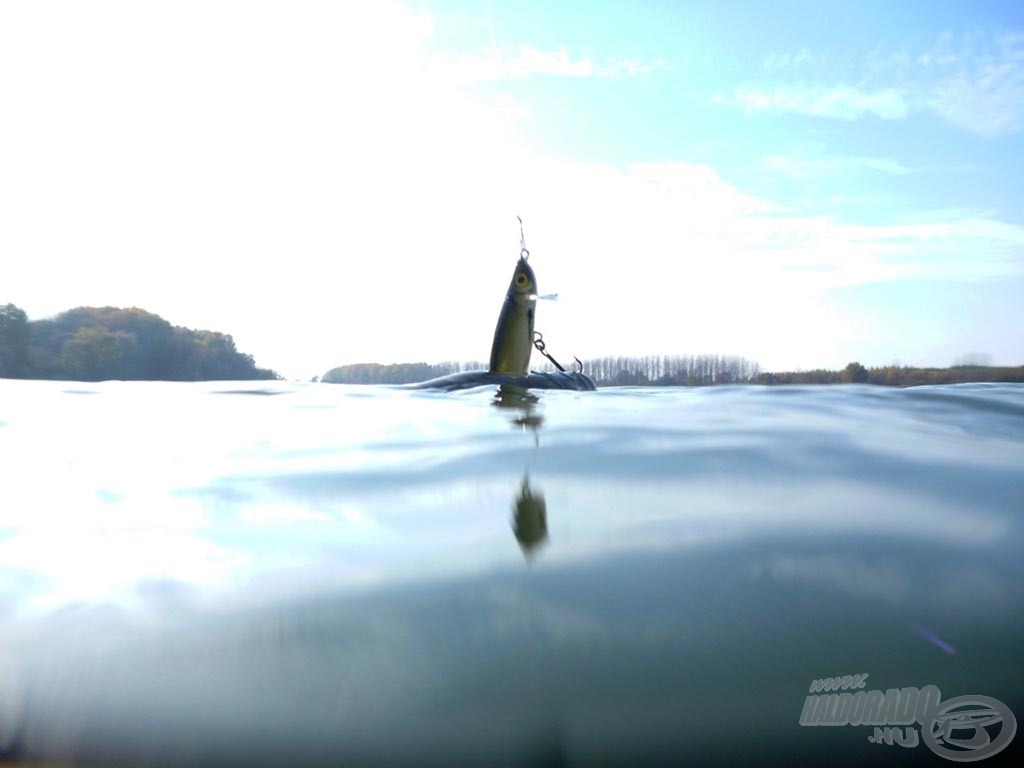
(521, 279)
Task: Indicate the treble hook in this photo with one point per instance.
(538, 342)
(523, 253)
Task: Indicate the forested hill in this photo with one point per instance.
(100, 343)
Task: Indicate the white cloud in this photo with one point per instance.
(974, 81)
(493, 65)
(489, 66)
(783, 61)
(624, 67)
(833, 165)
(841, 102)
(979, 87)
(531, 61)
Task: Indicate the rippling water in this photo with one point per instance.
(229, 573)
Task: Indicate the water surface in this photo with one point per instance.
(205, 574)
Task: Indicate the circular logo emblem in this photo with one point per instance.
(969, 728)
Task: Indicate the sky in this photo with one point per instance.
(803, 184)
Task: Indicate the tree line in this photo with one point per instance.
(101, 343)
(706, 370)
(691, 371)
(897, 375)
(671, 370)
(398, 373)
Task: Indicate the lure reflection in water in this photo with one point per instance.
(530, 520)
(530, 514)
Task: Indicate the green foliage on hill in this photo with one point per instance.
(14, 342)
(99, 343)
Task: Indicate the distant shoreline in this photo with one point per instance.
(112, 344)
(696, 371)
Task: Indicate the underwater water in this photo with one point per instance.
(253, 573)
